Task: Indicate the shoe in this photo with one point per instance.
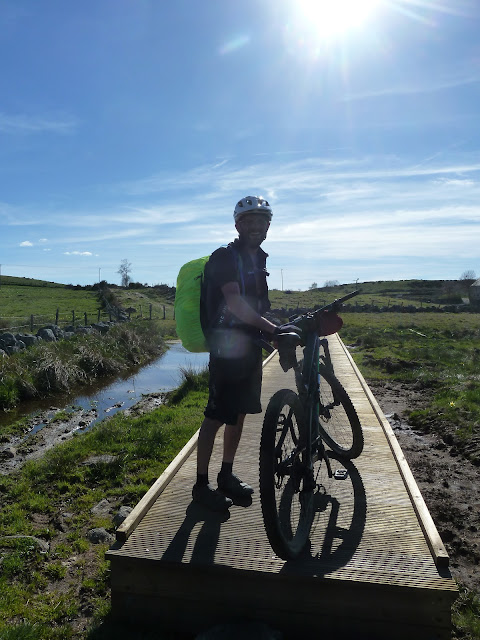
(232, 486)
(210, 498)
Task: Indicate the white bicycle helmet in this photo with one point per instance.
(252, 204)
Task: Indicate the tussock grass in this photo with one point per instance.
(50, 367)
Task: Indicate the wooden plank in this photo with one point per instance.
(432, 536)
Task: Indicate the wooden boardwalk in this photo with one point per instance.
(376, 569)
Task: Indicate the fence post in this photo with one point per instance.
(141, 312)
(73, 317)
(31, 323)
(56, 316)
(164, 312)
(150, 311)
(98, 316)
(86, 319)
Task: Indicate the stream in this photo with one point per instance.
(106, 398)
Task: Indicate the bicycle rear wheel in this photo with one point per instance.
(286, 506)
(338, 420)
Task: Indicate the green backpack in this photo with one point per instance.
(187, 305)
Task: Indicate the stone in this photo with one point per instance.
(120, 516)
(8, 453)
(103, 508)
(7, 339)
(46, 334)
(99, 536)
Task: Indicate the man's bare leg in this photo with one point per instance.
(231, 439)
(206, 439)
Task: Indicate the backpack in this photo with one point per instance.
(187, 305)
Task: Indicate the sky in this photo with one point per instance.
(129, 129)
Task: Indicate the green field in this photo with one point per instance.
(419, 293)
(18, 302)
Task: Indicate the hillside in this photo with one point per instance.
(382, 293)
(20, 298)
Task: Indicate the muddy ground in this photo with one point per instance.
(449, 483)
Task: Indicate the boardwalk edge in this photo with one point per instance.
(435, 544)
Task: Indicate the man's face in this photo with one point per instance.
(252, 229)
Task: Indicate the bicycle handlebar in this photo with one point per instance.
(333, 306)
(336, 304)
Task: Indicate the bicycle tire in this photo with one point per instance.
(287, 510)
(338, 421)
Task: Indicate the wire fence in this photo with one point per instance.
(32, 322)
(35, 321)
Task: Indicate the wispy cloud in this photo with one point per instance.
(430, 85)
(26, 243)
(29, 124)
(77, 253)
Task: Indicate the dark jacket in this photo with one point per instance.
(232, 264)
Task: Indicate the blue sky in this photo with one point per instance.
(130, 128)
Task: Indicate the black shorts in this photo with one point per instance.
(235, 386)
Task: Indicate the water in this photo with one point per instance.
(107, 398)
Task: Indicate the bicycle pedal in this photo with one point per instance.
(340, 474)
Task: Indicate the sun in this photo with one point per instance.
(330, 18)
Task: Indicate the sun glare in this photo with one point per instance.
(329, 18)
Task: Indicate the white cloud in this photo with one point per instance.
(77, 253)
(26, 243)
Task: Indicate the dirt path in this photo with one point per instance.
(449, 483)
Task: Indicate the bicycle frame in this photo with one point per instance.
(310, 398)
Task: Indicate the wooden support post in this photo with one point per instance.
(31, 323)
(56, 316)
(150, 311)
(73, 317)
(86, 318)
(164, 312)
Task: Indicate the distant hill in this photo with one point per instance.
(27, 282)
(380, 293)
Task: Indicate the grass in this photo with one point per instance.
(40, 593)
(19, 302)
(51, 367)
(420, 293)
(439, 352)
(157, 301)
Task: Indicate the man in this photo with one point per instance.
(235, 300)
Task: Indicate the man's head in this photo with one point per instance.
(252, 217)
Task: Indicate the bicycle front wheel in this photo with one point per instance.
(286, 493)
(338, 420)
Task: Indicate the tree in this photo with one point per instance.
(124, 271)
(331, 283)
(466, 279)
(468, 275)
(314, 285)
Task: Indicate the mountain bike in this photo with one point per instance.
(296, 427)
